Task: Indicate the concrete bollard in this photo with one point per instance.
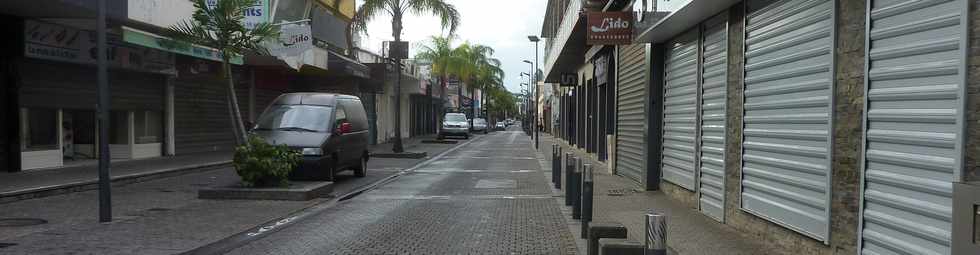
(656, 234)
(569, 165)
(577, 190)
(586, 199)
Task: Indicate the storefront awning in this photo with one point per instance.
(345, 66)
(683, 19)
(151, 40)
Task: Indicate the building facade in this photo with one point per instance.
(823, 127)
(164, 100)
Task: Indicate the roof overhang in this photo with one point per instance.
(570, 56)
(683, 19)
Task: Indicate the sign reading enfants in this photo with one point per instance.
(609, 28)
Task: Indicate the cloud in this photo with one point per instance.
(501, 24)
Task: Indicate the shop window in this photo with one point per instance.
(39, 129)
(119, 127)
(291, 10)
(148, 126)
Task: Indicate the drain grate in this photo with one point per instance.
(157, 209)
(5, 245)
(21, 222)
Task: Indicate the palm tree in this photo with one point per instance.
(371, 9)
(220, 26)
(440, 53)
(477, 68)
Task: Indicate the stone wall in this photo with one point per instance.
(971, 166)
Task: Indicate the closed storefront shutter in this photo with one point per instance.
(787, 117)
(714, 81)
(680, 110)
(201, 110)
(913, 125)
(631, 95)
(68, 86)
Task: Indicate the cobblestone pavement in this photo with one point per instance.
(161, 216)
(486, 197)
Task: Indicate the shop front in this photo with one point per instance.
(57, 99)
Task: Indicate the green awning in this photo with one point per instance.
(150, 40)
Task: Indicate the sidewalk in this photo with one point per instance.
(622, 200)
(161, 216)
(48, 182)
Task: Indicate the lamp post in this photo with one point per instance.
(529, 115)
(534, 78)
(102, 78)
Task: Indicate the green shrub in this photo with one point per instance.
(263, 164)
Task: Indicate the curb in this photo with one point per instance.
(52, 190)
(406, 155)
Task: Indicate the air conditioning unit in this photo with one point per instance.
(966, 218)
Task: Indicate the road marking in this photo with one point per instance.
(473, 171)
(455, 197)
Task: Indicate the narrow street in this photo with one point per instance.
(486, 196)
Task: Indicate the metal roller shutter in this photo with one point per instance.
(681, 110)
(714, 81)
(787, 120)
(913, 125)
(631, 95)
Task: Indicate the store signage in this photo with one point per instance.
(257, 13)
(149, 40)
(57, 42)
(568, 79)
(609, 28)
(294, 41)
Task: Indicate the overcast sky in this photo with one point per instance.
(501, 24)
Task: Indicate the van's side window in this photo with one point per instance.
(340, 115)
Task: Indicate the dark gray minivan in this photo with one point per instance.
(331, 131)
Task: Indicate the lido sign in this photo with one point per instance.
(609, 28)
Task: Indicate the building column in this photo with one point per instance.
(169, 139)
(251, 96)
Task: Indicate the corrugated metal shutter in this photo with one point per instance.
(787, 122)
(714, 81)
(913, 125)
(681, 110)
(201, 111)
(631, 94)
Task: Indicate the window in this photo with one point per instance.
(148, 127)
(295, 118)
(290, 10)
(39, 129)
(340, 116)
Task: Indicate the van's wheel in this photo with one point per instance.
(361, 169)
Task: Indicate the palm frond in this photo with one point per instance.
(448, 16)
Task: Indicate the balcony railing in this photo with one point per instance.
(553, 47)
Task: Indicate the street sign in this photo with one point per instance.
(398, 50)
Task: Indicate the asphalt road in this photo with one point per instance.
(487, 196)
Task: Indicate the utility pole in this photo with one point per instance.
(102, 74)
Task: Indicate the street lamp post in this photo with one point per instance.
(534, 101)
(537, 135)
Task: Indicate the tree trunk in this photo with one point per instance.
(396, 25)
(236, 116)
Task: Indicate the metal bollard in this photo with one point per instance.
(577, 190)
(569, 165)
(555, 163)
(586, 199)
(557, 173)
(656, 236)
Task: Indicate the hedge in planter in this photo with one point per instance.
(263, 164)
